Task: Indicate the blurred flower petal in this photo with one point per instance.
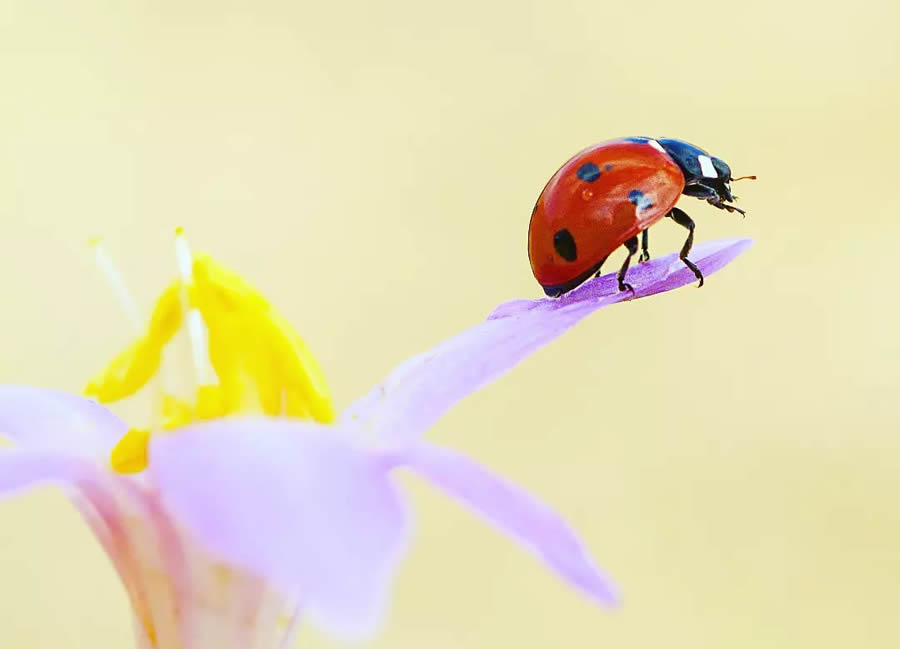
(47, 419)
(294, 503)
(418, 392)
(513, 511)
(21, 470)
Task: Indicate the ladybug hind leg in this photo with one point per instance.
(631, 246)
(645, 250)
(599, 270)
(685, 221)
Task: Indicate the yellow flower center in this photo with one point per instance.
(247, 358)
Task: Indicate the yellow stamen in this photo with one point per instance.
(248, 339)
(130, 454)
(140, 361)
(176, 412)
(246, 357)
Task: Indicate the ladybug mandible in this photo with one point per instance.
(605, 196)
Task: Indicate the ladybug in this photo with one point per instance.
(607, 195)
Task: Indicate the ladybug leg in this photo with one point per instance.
(632, 246)
(713, 197)
(717, 202)
(645, 252)
(600, 267)
(699, 190)
(684, 220)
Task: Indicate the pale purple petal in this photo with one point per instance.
(417, 393)
(23, 469)
(85, 482)
(294, 503)
(48, 419)
(515, 512)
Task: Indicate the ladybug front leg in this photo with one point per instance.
(632, 246)
(717, 202)
(684, 220)
(645, 251)
(712, 196)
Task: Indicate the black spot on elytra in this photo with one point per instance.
(608, 167)
(565, 245)
(588, 172)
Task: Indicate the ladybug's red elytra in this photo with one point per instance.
(603, 197)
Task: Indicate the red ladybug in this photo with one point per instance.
(608, 194)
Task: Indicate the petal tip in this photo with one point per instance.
(738, 244)
(608, 595)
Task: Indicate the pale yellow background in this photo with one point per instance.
(731, 455)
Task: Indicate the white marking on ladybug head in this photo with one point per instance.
(706, 167)
(656, 145)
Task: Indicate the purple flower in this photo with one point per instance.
(218, 522)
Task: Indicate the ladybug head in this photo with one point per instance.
(722, 182)
(703, 173)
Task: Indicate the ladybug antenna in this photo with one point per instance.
(743, 178)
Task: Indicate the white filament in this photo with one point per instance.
(197, 332)
(117, 283)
